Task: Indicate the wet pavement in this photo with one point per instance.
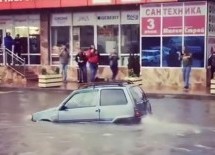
(177, 127)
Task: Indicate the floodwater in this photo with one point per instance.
(177, 127)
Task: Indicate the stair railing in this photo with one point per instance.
(11, 60)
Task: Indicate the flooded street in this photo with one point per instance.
(177, 127)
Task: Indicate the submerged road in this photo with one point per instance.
(177, 127)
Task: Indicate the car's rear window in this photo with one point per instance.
(113, 97)
(136, 93)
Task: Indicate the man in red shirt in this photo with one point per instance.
(93, 60)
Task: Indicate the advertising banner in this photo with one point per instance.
(172, 19)
(194, 17)
(211, 19)
(151, 19)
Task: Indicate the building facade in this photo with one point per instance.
(148, 28)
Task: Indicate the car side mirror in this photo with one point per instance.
(63, 108)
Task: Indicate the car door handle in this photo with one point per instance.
(97, 110)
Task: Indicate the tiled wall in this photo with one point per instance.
(151, 77)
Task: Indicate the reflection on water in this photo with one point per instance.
(172, 129)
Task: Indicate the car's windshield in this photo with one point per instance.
(83, 99)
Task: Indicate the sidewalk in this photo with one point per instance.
(152, 91)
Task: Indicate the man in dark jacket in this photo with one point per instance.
(8, 42)
(81, 59)
(17, 45)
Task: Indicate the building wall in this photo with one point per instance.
(44, 36)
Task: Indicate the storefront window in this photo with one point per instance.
(151, 51)
(107, 38)
(23, 32)
(196, 46)
(83, 37)
(59, 36)
(34, 45)
(104, 60)
(130, 37)
(171, 51)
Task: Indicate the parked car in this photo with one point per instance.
(114, 102)
(150, 57)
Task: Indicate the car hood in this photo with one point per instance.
(46, 115)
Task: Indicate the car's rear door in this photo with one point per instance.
(81, 107)
(114, 104)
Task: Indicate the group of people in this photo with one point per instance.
(90, 56)
(9, 42)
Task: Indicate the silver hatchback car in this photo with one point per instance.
(115, 102)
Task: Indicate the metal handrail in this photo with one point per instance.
(13, 56)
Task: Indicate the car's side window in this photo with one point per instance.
(113, 97)
(83, 99)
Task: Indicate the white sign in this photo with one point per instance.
(101, 1)
(64, 19)
(6, 21)
(84, 18)
(193, 9)
(108, 18)
(34, 20)
(151, 10)
(130, 1)
(130, 17)
(172, 10)
(211, 19)
(21, 20)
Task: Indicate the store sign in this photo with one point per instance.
(108, 18)
(211, 19)
(61, 19)
(101, 1)
(6, 21)
(21, 20)
(151, 19)
(84, 18)
(194, 18)
(172, 19)
(130, 17)
(34, 20)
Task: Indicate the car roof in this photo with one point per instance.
(106, 84)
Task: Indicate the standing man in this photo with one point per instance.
(81, 59)
(17, 45)
(187, 64)
(64, 60)
(114, 64)
(8, 43)
(211, 63)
